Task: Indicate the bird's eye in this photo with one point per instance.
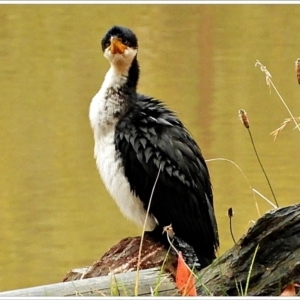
(125, 42)
(107, 44)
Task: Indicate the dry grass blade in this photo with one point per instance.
(245, 177)
(250, 271)
(142, 237)
(282, 126)
(267, 73)
(270, 83)
(265, 198)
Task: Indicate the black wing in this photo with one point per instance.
(151, 137)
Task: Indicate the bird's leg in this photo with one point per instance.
(158, 235)
(188, 253)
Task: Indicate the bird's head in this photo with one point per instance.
(119, 46)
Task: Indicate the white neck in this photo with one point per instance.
(107, 102)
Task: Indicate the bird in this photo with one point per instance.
(146, 157)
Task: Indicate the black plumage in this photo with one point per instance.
(149, 137)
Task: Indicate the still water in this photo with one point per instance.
(55, 212)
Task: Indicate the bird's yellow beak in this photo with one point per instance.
(116, 46)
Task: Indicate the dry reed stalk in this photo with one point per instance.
(230, 216)
(244, 118)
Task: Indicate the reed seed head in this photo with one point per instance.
(244, 118)
(230, 212)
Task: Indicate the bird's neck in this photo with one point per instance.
(125, 75)
(120, 85)
(133, 74)
(116, 97)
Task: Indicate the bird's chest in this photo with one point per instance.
(104, 117)
(105, 109)
(108, 162)
(111, 170)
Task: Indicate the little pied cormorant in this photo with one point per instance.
(135, 137)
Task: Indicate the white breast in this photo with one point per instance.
(109, 165)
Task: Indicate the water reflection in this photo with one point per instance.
(199, 59)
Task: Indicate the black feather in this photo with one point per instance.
(183, 194)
